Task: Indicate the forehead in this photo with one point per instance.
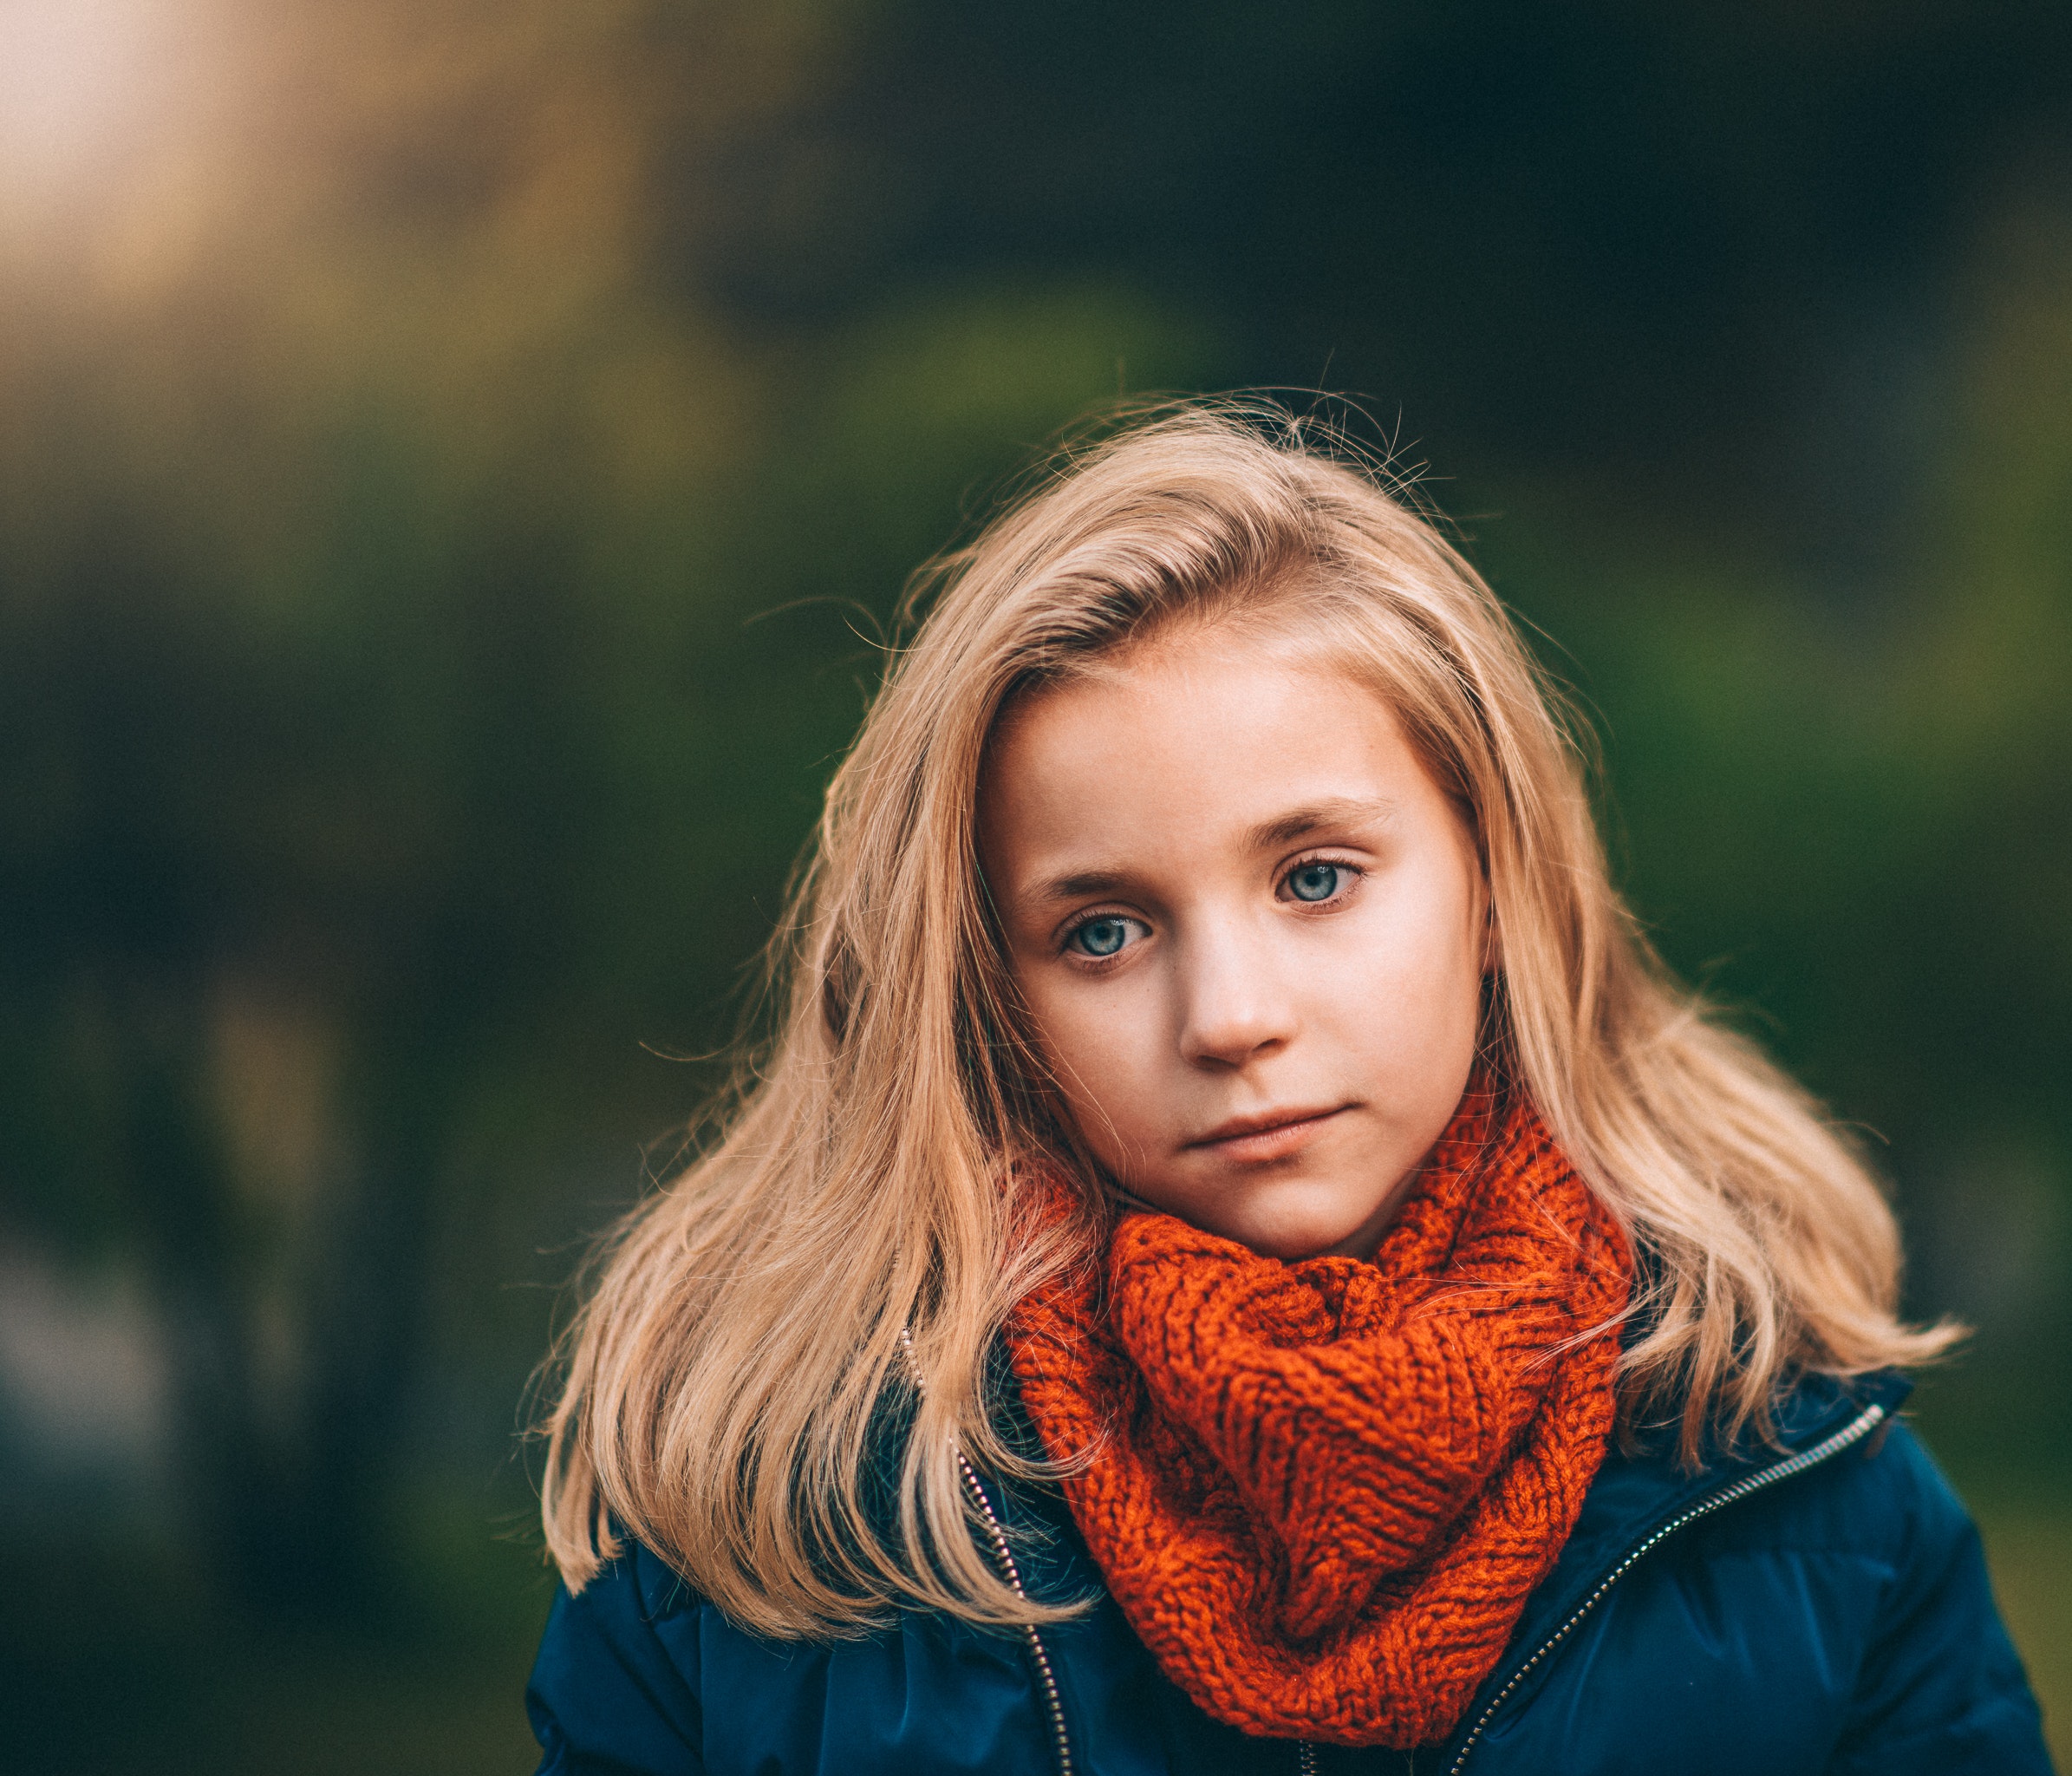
(1204, 741)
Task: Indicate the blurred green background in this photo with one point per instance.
(455, 461)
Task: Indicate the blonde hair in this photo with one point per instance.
(735, 1366)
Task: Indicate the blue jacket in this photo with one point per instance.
(1821, 1609)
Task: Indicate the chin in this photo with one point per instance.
(1289, 1219)
(1297, 1238)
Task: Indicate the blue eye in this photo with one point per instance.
(1101, 938)
(1314, 881)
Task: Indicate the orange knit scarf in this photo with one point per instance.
(1320, 1491)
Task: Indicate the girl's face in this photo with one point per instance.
(1251, 931)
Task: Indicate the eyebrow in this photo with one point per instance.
(1333, 810)
(1081, 884)
(1285, 829)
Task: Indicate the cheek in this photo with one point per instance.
(1099, 1050)
(1409, 978)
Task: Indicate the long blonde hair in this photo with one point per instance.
(858, 1218)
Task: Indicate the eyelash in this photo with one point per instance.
(1096, 915)
(1355, 871)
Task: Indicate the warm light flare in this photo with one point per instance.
(81, 81)
(126, 137)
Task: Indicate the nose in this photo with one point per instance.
(1233, 1006)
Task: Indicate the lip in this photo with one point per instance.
(1272, 1134)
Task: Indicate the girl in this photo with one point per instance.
(1238, 1257)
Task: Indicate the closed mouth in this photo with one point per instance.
(1288, 1123)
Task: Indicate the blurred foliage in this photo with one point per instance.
(457, 465)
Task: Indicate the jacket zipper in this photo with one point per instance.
(1850, 1434)
(1003, 1558)
(1039, 1657)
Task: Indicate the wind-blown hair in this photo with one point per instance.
(724, 1388)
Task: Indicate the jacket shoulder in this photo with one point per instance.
(1940, 1687)
(639, 1675)
(615, 1685)
(1823, 1609)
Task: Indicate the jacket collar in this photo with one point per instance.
(1637, 1492)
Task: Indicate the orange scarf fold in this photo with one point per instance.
(1321, 1492)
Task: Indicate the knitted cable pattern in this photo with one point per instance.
(1321, 1492)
